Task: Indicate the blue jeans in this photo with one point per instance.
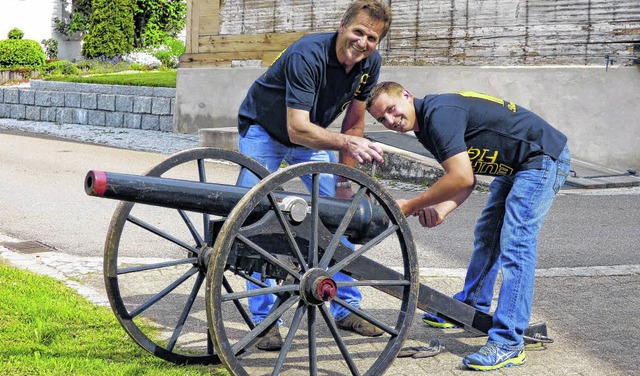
(506, 238)
(257, 144)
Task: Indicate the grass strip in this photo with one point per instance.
(46, 328)
(163, 78)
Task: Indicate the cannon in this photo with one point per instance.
(183, 243)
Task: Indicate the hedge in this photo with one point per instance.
(21, 53)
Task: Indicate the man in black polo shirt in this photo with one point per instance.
(471, 133)
(287, 110)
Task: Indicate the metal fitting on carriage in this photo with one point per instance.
(296, 207)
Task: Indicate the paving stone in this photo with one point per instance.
(27, 97)
(106, 102)
(114, 119)
(73, 100)
(133, 121)
(142, 105)
(165, 123)
(12, 96)
(96, 118)
(124, 103)
(150, 122)
(89, 101)
(161, 106)
(17, 111)
(32, 113)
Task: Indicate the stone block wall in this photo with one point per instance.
(137, 107)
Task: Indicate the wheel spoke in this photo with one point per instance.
(194, 233)
(374, 283)
(286, 346)
(268, 256)
(159, 265)
(243, 312)
(164, 292)
(335, 240)
(313, 342)
(202, 176)
(185, 311)
(271, 318)
(360, 251)
(315, 207)
(366, 316)
(290, 237)
(162, 234)
(258, 292)
(338, 339)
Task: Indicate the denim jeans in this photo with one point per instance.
(506, 238)
(257, 144)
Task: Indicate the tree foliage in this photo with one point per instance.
(155, 20)
(111, 29)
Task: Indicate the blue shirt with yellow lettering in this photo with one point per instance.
(500, 137)
(306, 76)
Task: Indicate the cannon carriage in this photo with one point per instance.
(188, 302)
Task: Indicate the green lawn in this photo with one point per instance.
(162, 78)
(47, 328)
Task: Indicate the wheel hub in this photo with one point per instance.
(317, 287)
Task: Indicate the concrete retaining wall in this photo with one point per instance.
(597, 109)
(102, 105)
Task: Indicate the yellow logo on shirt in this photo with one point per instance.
(484, 161)
(472, 94)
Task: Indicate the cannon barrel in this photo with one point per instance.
(219, 199)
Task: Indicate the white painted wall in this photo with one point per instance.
(35, 19)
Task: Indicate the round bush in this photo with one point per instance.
(15, 33)
(21, 53)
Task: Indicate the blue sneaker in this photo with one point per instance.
(490, 357)
(436, 322)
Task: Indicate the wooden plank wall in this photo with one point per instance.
(425, 32)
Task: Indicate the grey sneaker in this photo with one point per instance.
(271, 339)
(356, 324)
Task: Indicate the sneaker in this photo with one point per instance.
(354, 323)
(491, 357)
(436, 322)
(271, 339)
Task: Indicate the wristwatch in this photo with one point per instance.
(343, 184)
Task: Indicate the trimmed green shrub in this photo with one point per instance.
(15, 33)
(62, 67)
(21, 53)
(111, 29)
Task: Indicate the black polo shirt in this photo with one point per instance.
(306, 76)
(500, 137)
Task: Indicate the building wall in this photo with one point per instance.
(426, 32)
(596, 108)
(575, 62)
(35, 19)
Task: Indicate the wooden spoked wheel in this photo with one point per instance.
(156, 259)
(303, 244)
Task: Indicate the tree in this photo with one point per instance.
(155, 20)
(110, 30)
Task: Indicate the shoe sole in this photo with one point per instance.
(513, 362)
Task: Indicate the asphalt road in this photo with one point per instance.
(42, 198)
(587, 253)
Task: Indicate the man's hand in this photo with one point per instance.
(429, 217)
(362, 150)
